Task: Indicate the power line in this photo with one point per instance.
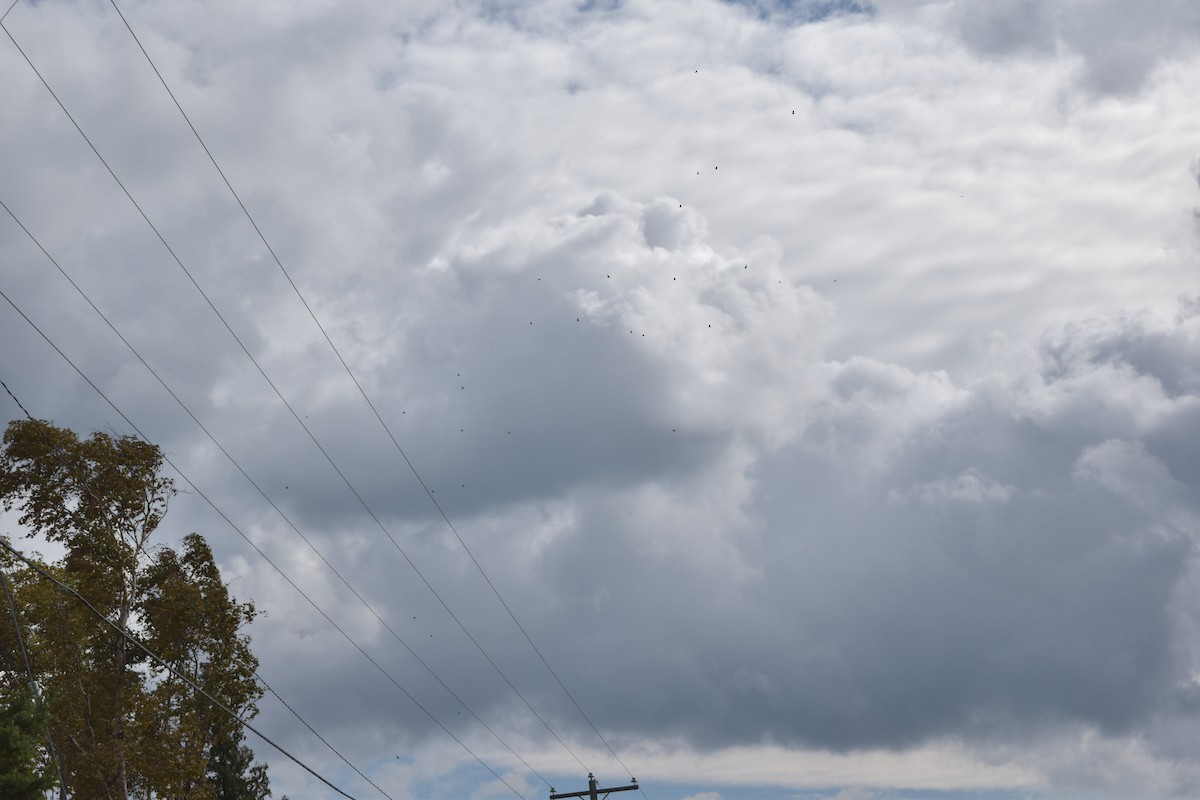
(161, 661)
(313, 730)
(256, 548)
(313, 437)
(258, 488)
(9, 391)
(361, 390)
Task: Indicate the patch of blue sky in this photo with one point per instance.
(801, 12)
(470, 780)
(599, 5)
(673, 791)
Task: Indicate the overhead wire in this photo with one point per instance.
(313, 731)
(300, 420)
(129, 637)
(363, 392)
(9, 392)
(179, 401)
(220, 512)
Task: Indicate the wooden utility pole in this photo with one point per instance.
(593, 791)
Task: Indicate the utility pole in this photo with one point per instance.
(593, 791)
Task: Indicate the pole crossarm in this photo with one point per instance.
(593, 791)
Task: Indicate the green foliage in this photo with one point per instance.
(232, 771)
(102, 497)
(122, 725)
(193, 624)
(24, 771)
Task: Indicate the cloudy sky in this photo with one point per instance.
(816, 382)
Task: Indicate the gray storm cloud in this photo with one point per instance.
(914, 558)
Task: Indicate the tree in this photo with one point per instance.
(194, 624)
(122, 725)
(24, 772)
(232, 771)
(102, 498)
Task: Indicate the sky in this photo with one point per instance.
(760, 399)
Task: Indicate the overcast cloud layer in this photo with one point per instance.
(816, 382)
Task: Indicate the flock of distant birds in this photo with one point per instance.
(463, 387)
